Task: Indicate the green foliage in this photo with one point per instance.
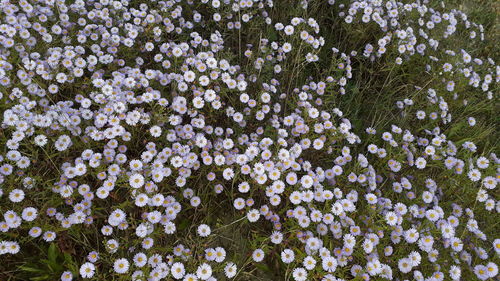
(50, 267)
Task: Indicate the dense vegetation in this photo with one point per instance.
(249, 140)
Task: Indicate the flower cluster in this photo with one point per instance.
(141, 132)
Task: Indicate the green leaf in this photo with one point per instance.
(67, 258)
(184, 224)
(40, 278)
(52, 254)
(29, 269)
(262, 267)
